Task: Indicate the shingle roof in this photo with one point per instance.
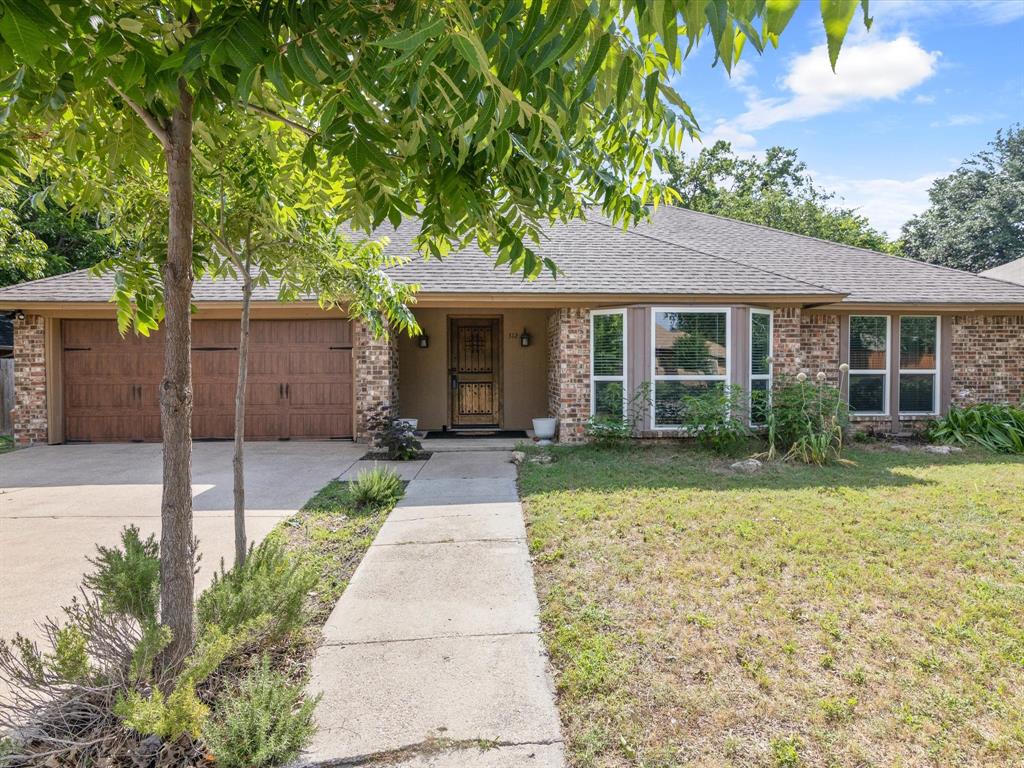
(677, 253)
(1013, 272)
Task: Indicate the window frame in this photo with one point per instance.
(886, 372)
(594, 379)
(655, 377)
(934, 372)
(768, 377)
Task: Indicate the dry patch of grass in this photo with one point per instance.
(864, 614)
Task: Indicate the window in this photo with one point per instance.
(869, 364)
(608, 363)
(691, 356)
(760, 364)
(919, 364)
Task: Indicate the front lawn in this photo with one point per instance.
(6, 443)
(868, 614)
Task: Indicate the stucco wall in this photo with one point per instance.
(423, 388)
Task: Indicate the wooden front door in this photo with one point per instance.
(475, 372)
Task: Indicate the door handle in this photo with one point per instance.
(455, 382)
(288, 391)
(280, 390)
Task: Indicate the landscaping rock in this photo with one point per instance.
(542, 458)
(943, 450)
(899, 448)
(518, 457)
(747, 466)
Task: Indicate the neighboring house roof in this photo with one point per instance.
(1012, 272)
(678, 253)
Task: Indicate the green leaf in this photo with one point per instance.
(132, 69)
(24, 33)
(411, 39)
(836, 14)
(777, 15)
(472, 50)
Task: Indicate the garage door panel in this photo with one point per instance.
(268, 363)
(322, 425)
(319, 363)
(215, 333)
(262, 394)
(213, 395)
(98, 363)
(219, 364)
(111, 396)
(323, 395)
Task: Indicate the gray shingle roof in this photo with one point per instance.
(1013, 272)
(678, 253)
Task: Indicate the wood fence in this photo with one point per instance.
(6, 394)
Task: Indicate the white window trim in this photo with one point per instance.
(887, 384)
(769, 377)
(936, 395)
(655, 377)
(625, 357)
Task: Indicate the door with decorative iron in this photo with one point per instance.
(474, 372)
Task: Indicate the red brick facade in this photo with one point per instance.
(375, 363)
(786, 339)
(988, 359)
(806, 341)
(30, 422)
(569, 372)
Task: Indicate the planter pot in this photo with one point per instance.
(414, 423)
(544, 430)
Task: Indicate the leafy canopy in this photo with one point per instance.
(774, 190)
(976, 217)
(483, 118)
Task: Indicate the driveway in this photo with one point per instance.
(58, 502)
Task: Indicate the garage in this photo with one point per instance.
(299, 384)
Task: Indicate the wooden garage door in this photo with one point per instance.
(299, 384)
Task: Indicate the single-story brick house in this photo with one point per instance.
(684, 301)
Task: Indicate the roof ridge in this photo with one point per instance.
(723, 258)
(823, 240)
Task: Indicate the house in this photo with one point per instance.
(1011, 272)
(685, 301)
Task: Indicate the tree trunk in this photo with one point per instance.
(239, 459)
(177, 555)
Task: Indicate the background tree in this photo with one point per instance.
(976, 217)
(774, 190)
(484, 119)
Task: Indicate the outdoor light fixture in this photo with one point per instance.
(423, 341)
(19, 315)
(524, 339)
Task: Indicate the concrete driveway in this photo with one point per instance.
(58, 502)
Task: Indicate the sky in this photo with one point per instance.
(926, 87)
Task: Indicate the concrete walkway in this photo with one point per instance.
(432, 657)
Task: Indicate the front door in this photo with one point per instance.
(474, 372)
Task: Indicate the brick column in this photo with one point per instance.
(786, 341)
(819, 345)
(987, 359)
(30, 421)
(569, 372)
(375, 364)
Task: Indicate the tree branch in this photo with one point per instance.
(305, 129)
(145, 115)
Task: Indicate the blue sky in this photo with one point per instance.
(927, 86)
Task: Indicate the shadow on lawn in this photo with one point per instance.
(680, 466)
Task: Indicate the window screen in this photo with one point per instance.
(869, 364)
(760, 367)
(690, 350)
(608, 363)
(919, 366)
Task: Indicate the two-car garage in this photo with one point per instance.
(299, 381)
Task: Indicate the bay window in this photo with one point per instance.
(869, 364)
(690, 356)
(608, 363)
(760, 364)
(919, 364)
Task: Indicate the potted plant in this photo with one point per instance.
(544, 430)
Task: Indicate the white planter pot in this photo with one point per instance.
(414, 423)
(544, 430)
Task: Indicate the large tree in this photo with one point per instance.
(482, 118)
(976, 217)
(773, 189)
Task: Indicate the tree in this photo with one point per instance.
(24, 254)
(483, 119)
(976, 217)
(775, 191)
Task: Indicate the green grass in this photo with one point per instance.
(6, 443)
(864, 613)
(332, 533)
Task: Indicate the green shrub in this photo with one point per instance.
(806, 420)
(127, 580)
(716, 419)
(605, 430)
(395, 436)
(263, 721)
(999, 428)
(270, 583)
(379, 487)
(70, 658)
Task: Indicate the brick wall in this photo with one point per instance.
(30, 422)
(988, 359)
(375, 364)
(569, 372)
(819, 345)
(786, 341)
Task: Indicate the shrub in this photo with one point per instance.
(605, 430)
(806, 420)
(262, 721)
(378, 487)
(999, 428)
(716, 419)
(269, 583)
(395, 436)
(127, 580)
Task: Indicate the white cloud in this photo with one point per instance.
(742, 143)
(957, 120)
(887, 203)
(968, 11)
(869, 71)
(924, 99)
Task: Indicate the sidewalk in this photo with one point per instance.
(432, 658)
